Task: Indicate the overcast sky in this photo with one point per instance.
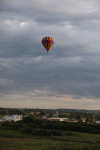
(69, 75)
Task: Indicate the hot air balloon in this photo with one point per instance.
(48, 42)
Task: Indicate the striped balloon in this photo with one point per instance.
(47, 42)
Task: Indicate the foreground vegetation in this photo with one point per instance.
(44, 127)
(15, 140)
(40, 134)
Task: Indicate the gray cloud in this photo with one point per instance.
(71, 67)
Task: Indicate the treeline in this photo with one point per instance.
(43, 127)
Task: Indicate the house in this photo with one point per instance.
(83, 119)
(59, 119)
(11, 118)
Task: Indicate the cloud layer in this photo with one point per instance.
(72, 67)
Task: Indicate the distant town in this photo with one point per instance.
(68, 115)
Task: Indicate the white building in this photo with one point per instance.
(11, 118)
(63, 119)
(97, 121)
(60, 119)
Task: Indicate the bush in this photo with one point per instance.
(42, 132)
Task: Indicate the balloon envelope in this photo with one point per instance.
(48, 42)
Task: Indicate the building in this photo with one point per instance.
(63, 119)
(83, 119)
(11, 118)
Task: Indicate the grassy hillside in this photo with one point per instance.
(15, 140)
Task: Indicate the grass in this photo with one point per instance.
(15, 140)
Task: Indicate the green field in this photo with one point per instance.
(15, 140)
